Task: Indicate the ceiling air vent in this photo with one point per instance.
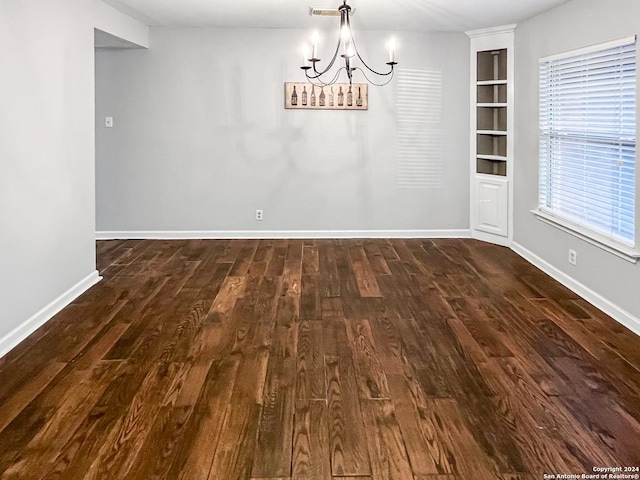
(326, 12)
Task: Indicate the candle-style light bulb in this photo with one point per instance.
(350, 51)
(392, 50)
(315, 37)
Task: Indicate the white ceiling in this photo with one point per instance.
(420, 15)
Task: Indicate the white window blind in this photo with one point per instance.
(588, 138)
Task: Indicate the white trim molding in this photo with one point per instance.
(277, 234)
(601, 241)
(483, 32)
(590, 49)
(21, 332)
(607, 306)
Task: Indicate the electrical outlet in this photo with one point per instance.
(573, 257)
(259, 215)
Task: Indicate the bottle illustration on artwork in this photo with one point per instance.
(294, 97)
(304, 95)
(331, 97)
(313, 95)
(359, 100)
(349, 97)
(322, 97)
(340, 98)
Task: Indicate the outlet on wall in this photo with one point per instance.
(259, 215)
(573, 257)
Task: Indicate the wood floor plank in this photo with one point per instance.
(292, 272)
(423, 359)
(197, 449)
(310, 375)
(16, 403)
(582, 448)
(166, 434)
(252, 372)
(428, 453)
(232, 288)
(346, 431)
(42, 450)
(124, 442)
(370, 375)
(275, 266)
(310, 302)
(311, 451)
(310, 260)
(272, 457)
(267, 301)
(79, 452)
(386, 446)
(475, 324)
(376, 259)
(335, 338)
(243, 260)
(348, 284)
(365, 277)
(237, 436)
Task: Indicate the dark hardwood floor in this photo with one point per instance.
(275, 359)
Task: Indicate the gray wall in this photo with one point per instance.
(576, 24)
(202, 139)
(47, 216)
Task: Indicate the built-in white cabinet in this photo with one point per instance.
(491, 143)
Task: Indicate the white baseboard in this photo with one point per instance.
(279, 234)
(18, 334)
(607, 306)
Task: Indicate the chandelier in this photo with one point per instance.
(346, 48)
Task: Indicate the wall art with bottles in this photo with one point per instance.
(339, 96)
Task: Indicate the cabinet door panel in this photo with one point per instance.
(492, 198)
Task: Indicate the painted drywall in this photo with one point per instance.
(201, 138)
(574, 25)
(47, 186)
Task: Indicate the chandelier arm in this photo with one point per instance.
(377, 84)
(323, 83)
(390, 72)
(317, 74)
(355, 48)
(335, 55)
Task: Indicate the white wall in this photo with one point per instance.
(576, 24)
(47, 186)
(202, 139)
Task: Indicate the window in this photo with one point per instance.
(588, 139)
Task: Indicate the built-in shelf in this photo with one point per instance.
(495, 93)
(490, 167)
(491, 132)
(494, 145)
(494, 158)
(492, 82)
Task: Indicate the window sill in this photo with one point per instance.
(626, 253)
